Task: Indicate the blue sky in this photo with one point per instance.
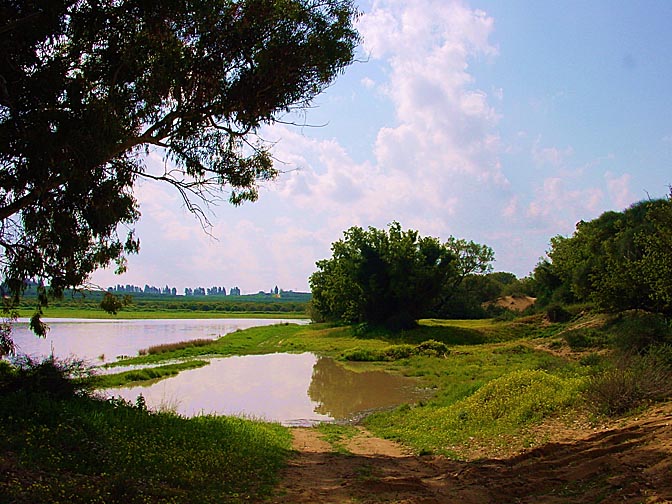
(499, 122)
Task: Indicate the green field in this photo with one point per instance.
(68, 312)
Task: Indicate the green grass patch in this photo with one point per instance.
(179, 345)
(500, 407)
(145, 374)
(80, 450)
(337, 435)
(158, 313)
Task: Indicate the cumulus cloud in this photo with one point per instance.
(434, 164)
(560, 206)
(619, 189)
(550, 156)
(444, 136)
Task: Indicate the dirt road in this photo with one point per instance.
(628, 462)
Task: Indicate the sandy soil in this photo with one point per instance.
(516, 303)
(626, 462)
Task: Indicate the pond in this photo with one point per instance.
(294, 389)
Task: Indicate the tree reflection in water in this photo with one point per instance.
(341, 393)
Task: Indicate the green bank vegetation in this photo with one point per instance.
(490, 381)
(61, 445)
(87, 304)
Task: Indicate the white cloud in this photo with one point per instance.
(560, 207)
(550, 156)
(428, 166)
(619, 189)
(368, 83)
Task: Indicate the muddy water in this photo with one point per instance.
(289, 388)
(294, 389)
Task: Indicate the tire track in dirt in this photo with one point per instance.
(630, 463)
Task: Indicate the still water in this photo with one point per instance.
(294, 389)
(99, 341)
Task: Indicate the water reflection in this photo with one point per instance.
(294, 389)
(341, 393)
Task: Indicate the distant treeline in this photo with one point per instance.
(190, 291)
(285, 302)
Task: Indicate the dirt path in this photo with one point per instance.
(630, 463)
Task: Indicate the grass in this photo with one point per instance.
(499, 408)
(76, 449)
(337, 436)
(491, 380)
(128, 378)
(171, 347)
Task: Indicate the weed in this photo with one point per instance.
(336, 435)
(170, 347)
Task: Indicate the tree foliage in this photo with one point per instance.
(88, 87)
(389, 278)
(619, 261)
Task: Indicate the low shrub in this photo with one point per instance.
(60, 378)
(362, 355)
(585, 337)
(432, 348)
(557, 314)
(397, 352)
(429, 348)
(633, 380)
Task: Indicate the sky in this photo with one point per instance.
(504, 123)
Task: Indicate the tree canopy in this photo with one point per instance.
(389, 277)
(619, 261)
(88, 87)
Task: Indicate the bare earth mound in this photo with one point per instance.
(630, 462)
(516, 303)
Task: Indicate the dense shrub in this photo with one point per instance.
(429, 348)
(637, 330)
(57, 378)
(585, 337)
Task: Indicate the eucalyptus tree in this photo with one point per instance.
(88, 87)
